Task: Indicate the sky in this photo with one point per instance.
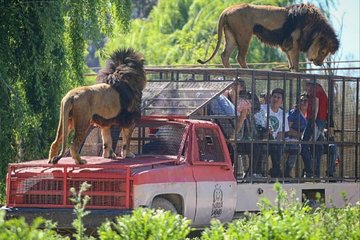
(348, 11)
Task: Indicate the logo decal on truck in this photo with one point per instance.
(217, 204)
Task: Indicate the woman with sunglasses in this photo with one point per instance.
(297, 124)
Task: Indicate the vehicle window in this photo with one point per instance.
(165, 140)
(209, 145)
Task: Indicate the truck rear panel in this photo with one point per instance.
(37, 184)
(40, 185)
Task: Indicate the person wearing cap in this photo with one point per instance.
(297, 123)
(271, 116)
(316, 116)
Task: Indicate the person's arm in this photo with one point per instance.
(230, 94)
(292, 118)
(281, 135)
(244, 108)
(241, 120)
(316, 107)
(292, 132)
(331, 125)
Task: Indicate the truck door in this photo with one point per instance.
(215, 182)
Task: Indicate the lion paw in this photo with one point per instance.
(81, 161)
(127, 155)
(54, 160)
(113, 155)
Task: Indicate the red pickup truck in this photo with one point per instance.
(182, 165)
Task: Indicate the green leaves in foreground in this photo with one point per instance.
(80, 202)
(40, 229)
(290, 219)
(286, 218)
(146, 224)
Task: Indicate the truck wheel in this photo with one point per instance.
(162, 203)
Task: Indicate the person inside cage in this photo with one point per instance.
(297, 123)
(316, 116)
(239, 129)
(271, 120)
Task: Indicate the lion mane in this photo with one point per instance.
(114, 101)
(296, 28)
(129, 80)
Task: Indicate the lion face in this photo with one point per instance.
(319, 50)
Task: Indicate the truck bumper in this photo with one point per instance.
(64, 216)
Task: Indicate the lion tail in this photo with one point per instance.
(219, 33)
(65, 109)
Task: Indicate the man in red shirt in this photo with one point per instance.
(316, 122)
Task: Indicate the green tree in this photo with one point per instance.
(43, 44)
(182, 31)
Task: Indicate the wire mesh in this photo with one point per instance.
(180, 98)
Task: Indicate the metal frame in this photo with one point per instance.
(271, 77)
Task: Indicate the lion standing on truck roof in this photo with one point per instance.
(116, 101)
(296, 28)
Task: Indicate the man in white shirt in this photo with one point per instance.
(272, 118)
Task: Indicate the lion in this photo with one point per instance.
(115, 101)
(296, 28)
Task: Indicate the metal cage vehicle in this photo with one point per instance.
(190, 159)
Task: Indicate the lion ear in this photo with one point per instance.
(335, 46)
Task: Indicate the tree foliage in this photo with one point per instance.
(43, 44)
(41, 56)
(182, 31)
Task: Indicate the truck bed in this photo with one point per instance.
(42, 185)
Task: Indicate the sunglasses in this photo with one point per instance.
(303, 100)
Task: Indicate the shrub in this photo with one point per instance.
(19, 229)
(146, 224)
(80, 202)
(286, 219)
(341, 223)
(290, 219)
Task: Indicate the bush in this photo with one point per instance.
(19, 229)
(290, 220)
(341, 223)
(2, 193)
(146, 224)
(80, 202)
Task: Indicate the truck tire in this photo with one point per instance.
(162, 203)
